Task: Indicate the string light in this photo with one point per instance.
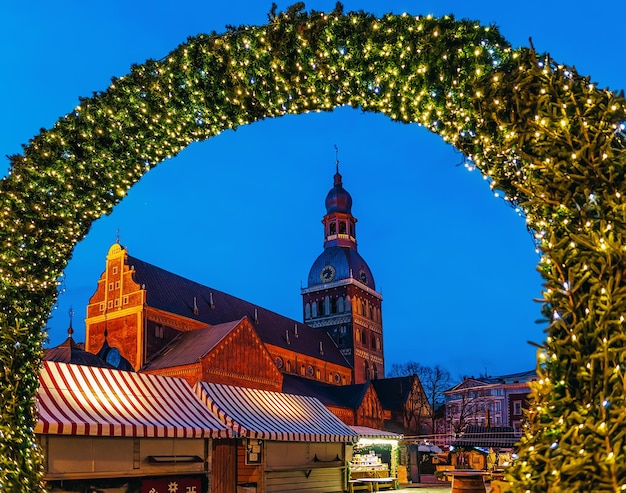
(548, 142)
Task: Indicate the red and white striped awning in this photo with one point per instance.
(267, 415)
(85, 400)
(366, 432)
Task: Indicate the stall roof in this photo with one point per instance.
(268, 415)
(366, 432)
(487, 437)
(85, 400)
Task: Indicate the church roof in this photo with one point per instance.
(347, 396)
(74, 353)
(394, 392)
(188, 347)
(175, 294)
(347, 264)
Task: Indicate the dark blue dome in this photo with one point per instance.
(344, 263)
(338, 199)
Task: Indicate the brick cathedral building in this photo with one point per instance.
(147, 318)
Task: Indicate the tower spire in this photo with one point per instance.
(70, 329)
(337, 174)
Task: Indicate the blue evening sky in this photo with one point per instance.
(241, 212)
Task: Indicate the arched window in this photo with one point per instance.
(333, 228)
(362, 307)
(363, 337)
(358, 334)
(340, 304)
(371, 312)
(288, 366)
(333, 305)
(342, 228)
(367, 369)
(348, 304)
(326, 305)
(307, 311)
(373, 342)
(314, 309)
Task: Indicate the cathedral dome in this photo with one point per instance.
(337, 263)
(338, 199)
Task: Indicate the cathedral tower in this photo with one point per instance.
(340, 296)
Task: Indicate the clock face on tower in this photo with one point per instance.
(363, 276)
(327, 274)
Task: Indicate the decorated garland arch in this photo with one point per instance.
(546, 137)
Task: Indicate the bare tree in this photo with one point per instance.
(433, 382)
(466, 405)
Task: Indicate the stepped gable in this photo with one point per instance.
(175, 294)
(189, 347)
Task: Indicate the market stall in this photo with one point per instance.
(287, 442)
(117, 431)
(374, 459)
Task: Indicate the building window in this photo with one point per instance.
(288, 368)
(318, 374)
(340, 306)
(307, 311)
(375, 368)
(373, 342)
(101, 307)
(366, 367)
(333, 228)
(111, 304)
(110, 286)
(117, 302)
(314, 309)
(363, 337)
(517, 407)
(302, 370)
(158, 332)
(333, 305)
(115, 270)
(125, 300)
(342, 228)
(326, 305)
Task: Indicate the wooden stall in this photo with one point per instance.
(286, 442)
(374, 463)
(116, 431)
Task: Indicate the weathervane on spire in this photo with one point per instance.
(117, 236)
(336, 158)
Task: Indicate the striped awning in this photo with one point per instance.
(85, 400)
(366, 432)
(267, 415)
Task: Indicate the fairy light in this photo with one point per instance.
(455, 78)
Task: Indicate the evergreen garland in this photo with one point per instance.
(545, 137)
